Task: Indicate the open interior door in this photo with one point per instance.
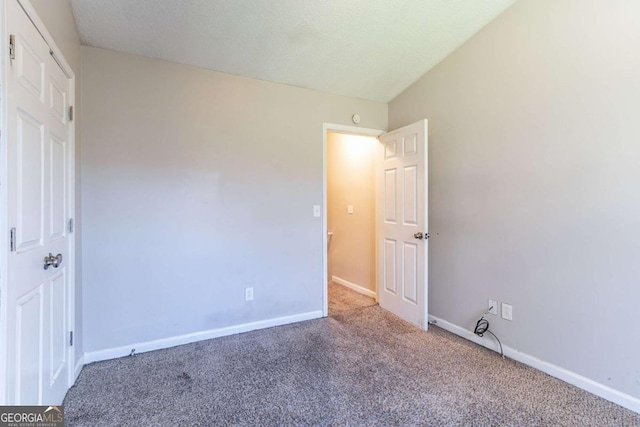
(403, 223)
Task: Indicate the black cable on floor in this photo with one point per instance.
(482, 327)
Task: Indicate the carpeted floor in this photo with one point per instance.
(361, 366)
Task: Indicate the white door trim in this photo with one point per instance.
(4, 231)
(352, 130)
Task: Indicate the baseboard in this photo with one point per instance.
(78, 367)
(113, 353)
(627, 401)
(354, 287)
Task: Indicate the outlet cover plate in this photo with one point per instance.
(492, 306)
(507, 311)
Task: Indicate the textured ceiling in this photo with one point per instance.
(369, 49)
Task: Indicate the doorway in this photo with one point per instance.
(349, 258)
(351, 211)
(391, 223)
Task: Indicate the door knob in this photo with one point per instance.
(57, 260)
(419, 235)
(52, 261)
(48, 261)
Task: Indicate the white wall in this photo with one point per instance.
(351, 181)
(534, 186)
(197, 184)
(57, 16)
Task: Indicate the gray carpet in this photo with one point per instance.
(360, 367)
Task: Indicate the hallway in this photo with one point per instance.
(342, 299)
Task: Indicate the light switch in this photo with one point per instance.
(350, 209)
(316, 211)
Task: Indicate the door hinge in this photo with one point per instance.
(12, 46)
(70, 225)
(71, 113)
(12, 238)
(71, 338)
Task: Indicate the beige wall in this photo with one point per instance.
(57, 16)
(351, 181)
(534, 177)
(197, 184)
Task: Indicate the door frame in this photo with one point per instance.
(350, 130)
(4, 230)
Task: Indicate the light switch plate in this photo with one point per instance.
(350, 209)
(316, 211)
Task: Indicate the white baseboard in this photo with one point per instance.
(353, 286)
(112, 353)
(608, 393)
(78, 368)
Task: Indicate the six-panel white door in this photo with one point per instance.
(402, 219)
(37, 195)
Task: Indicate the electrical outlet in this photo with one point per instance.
(248, 294)
(492, 306)
(507, 311)
(350, 209)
